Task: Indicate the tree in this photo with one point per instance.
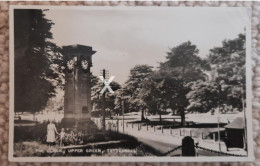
(184, 65)
(131, 88)
(226, 84)
(35, 77)
(96, 97)
(203, 96)
(228, 71)
(157, 93)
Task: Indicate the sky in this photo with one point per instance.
(126, 36)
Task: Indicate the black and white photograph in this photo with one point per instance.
(162, 84)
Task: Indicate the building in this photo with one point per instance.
(235, 134)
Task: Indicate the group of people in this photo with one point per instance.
(64, 138)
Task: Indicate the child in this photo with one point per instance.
(62, 136)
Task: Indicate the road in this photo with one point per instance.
(159, 146)
(163, 142)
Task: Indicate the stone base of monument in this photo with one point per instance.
(86, 126)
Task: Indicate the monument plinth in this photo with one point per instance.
(77, 97)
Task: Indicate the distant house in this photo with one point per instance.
(235, 134)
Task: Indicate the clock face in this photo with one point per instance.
(84, 64)
(70, 64)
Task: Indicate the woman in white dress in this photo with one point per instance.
(51, 130)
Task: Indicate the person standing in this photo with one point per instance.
(51, 130)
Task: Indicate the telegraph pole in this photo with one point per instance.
(104, 73)
(103, 103)
(219, 146)
(123, 111)
(244, 111)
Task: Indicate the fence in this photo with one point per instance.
(209, 150)
(117, 125)
(221, 153)
(170, 151)
(134, 128)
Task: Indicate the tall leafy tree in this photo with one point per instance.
(228, 70)
(158, 93)
(131, 88)
(184, 65)
(226, 84)
(35, 77)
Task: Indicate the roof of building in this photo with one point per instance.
(77, 48)
(238, 123)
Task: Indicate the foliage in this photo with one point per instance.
(35, 132)
(228, 63)
(203, 96)
(35, 75)
(157, 92)
(184, 65)
(226, 85)
(96, 97)
(130, 90)
(72, 138)
(93, 81)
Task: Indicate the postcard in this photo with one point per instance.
(130, 84)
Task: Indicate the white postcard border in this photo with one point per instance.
(249, 98)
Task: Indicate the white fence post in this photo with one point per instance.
(162, 129)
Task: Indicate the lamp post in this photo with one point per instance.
(218, 117)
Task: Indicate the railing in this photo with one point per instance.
(209, 150)
(223, 153)
(170, 151)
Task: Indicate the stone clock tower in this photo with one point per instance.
(77, 97)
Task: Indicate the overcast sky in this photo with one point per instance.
(124, 37)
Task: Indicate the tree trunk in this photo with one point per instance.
(110, 114)
(142, 116)
(160, 117)
(182, 117)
